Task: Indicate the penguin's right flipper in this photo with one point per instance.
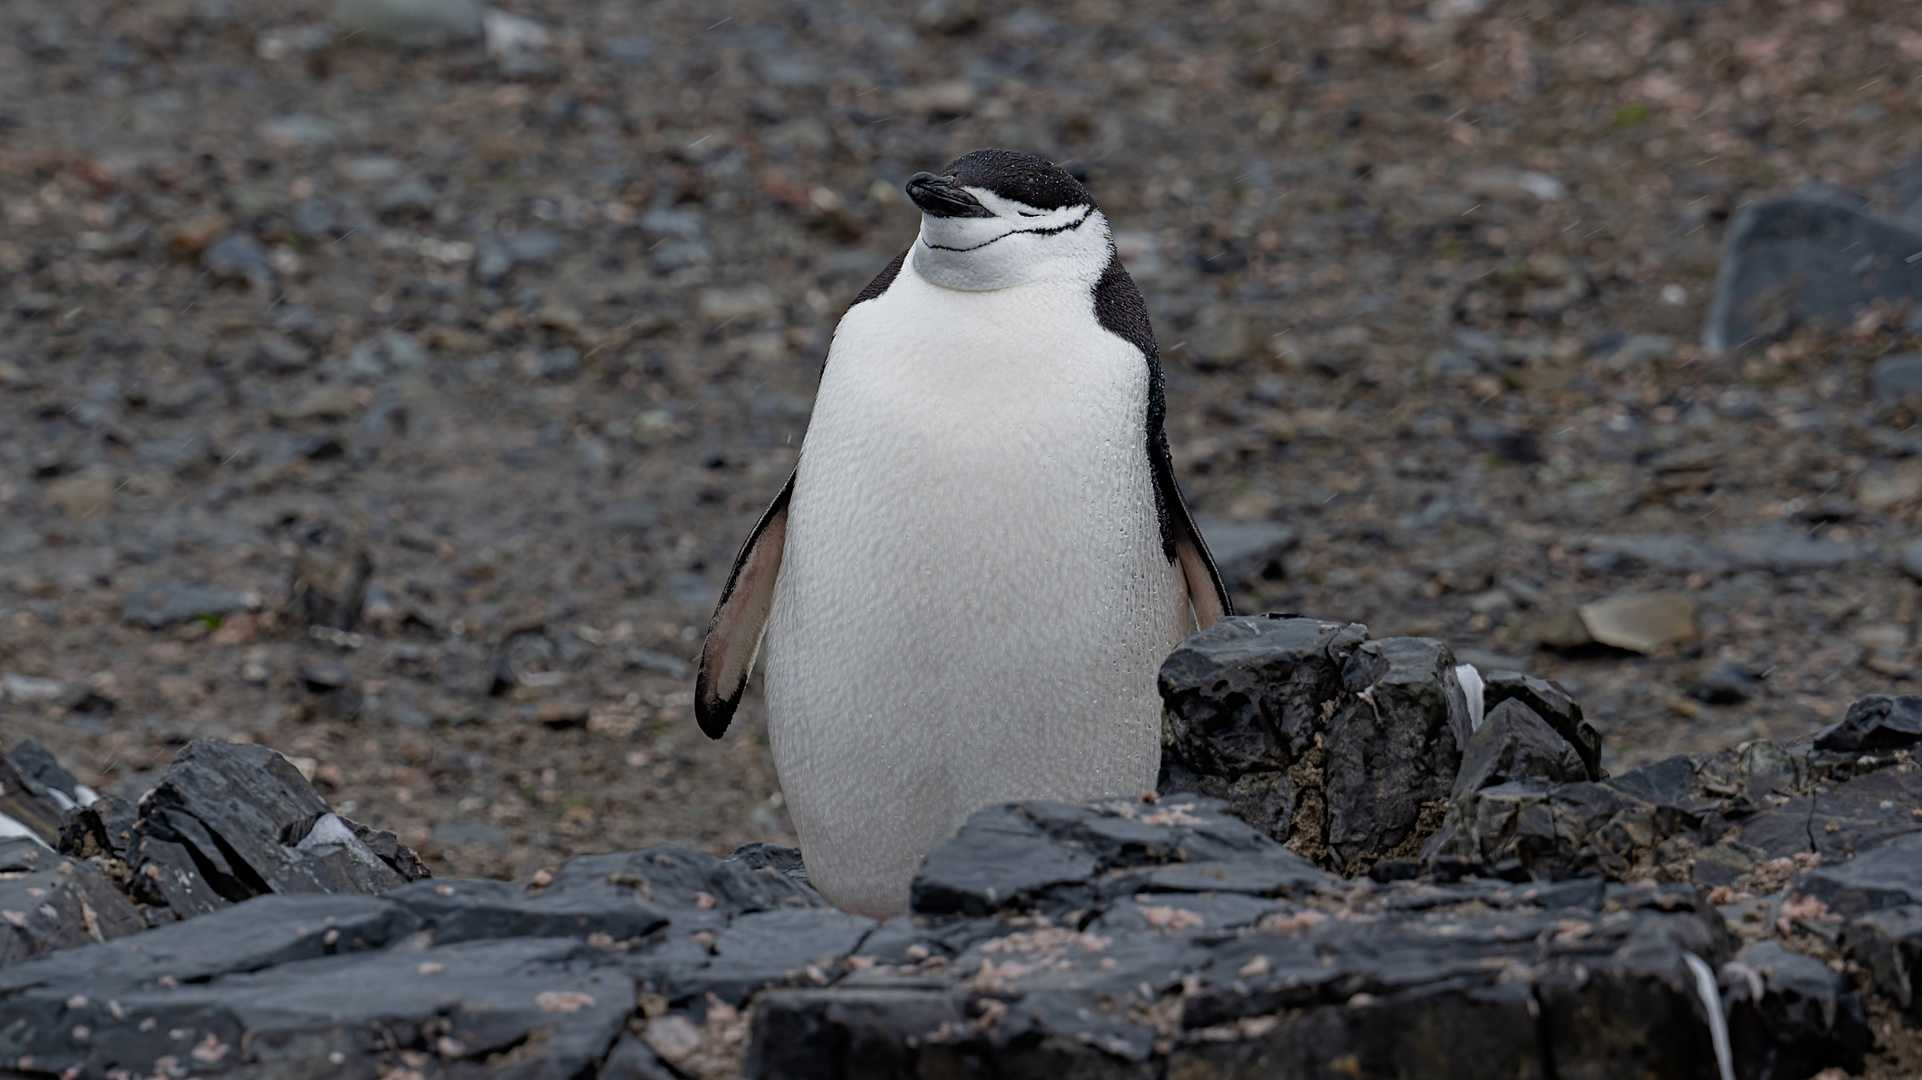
(734, 634)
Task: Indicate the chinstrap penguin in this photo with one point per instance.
(968, 585)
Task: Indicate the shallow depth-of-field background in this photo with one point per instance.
(537, 334)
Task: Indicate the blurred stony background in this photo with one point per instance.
(393, 391)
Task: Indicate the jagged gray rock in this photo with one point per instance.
(1393, 747)
(229, 822)
(1885, 876)
(1514, 743)
(1807, 1018)
(1876, 722)
(1709, 818)
(1887, 942)
(1549, 701)
(1343, 748)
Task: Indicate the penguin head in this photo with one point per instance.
(994, 218)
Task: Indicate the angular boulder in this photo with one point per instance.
(1875, 723)
(1807, 257)
(1549, 701)
(1343, 748)
(228, 822)
(1514, 743)
(1394, 746)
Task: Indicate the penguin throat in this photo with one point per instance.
(981, 254)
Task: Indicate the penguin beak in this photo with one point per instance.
(941, 197)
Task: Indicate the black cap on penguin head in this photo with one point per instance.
(1024, 178)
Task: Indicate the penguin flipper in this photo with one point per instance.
(1186, 547)
(1205, 589)
(734, 634)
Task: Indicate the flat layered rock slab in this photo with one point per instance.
(457, 1002)
(1054, 858)
(259, 934)
(1484, 977)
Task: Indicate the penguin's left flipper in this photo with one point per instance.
(734, 634)
(1205, 589)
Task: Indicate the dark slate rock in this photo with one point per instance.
(633, 1059)
(28, 803)
(1482, 1031)
(1246, 694)
(1393, 748)
(1279, 873)
(1911, 559)
(1628, 826)
(49, 902)
(1388, 992)
(1896, 376)
(1249, 552)
(479, 910)
(1199, 910)
(1861, 813)
(672, 966)
(1808, 1017)
(103, 827)
(855, 1032)
(1548, 700)
(1513, 743)
(159, 606)
(230, 822)
(1875, 723)
(551, 1004)
(1450, 987)
(1808, 257)
(762, 856)
(677, 877)
(1885, 876)
(1725, 863)
(1052, 857)
(1726, 682)
(999, 858)
(1888, 943)
(1151, 938)
(1788, 552)
(907, 939)
(260, 933)
(39, 768)
(387, 847)
(774, 947)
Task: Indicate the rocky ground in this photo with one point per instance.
(401, 408)
(1445, 890)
